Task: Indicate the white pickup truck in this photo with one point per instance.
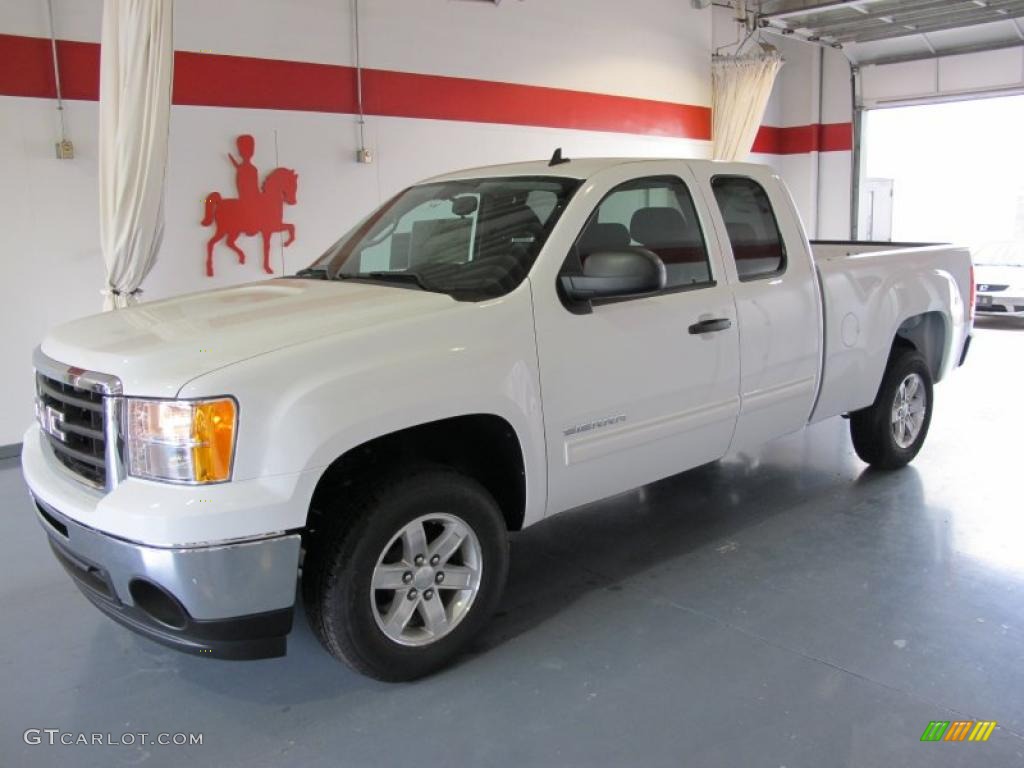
(486, 349)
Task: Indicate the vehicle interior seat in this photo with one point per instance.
(679, 244)
(602, 236)
(509, 235)
(440, 241)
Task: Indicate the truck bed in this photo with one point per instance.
(866, 287)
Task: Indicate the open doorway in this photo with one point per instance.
(955, 171)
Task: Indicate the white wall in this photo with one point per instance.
(48, 209)
(49, 248)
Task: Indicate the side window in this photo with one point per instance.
(750, 222)
(655, 213)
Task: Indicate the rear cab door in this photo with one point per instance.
(768, 266)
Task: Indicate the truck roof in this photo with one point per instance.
(582, 168)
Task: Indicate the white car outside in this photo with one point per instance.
(999, 272)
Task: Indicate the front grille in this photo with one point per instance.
(72, 419)
(991, 288)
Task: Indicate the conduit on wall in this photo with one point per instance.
(136, 73)
(740, 88)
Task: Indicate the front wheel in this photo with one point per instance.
(889, 433)
(399, 578)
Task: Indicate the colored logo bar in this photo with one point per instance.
(958, 730)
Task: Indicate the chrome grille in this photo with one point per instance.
(72, 420)
(79, 415)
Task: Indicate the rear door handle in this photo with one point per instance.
(710, 326)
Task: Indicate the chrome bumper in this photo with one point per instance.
(229, 601)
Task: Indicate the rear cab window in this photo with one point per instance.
(757, 245)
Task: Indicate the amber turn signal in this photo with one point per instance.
(213, 435)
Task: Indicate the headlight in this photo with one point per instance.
(180, 441)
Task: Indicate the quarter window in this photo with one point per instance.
(757, 246)
(653, 213)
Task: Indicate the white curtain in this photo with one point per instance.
(741, 86)
(136, 71)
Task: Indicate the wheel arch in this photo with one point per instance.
(484, 446)
(928, 333)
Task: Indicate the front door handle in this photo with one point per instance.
(710, 326)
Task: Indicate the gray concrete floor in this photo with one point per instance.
(781, 608)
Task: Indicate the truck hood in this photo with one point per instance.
(156, 348)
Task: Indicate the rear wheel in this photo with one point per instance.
(397, 580)
(889, 433)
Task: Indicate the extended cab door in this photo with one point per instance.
(778, 303)
(641, 388)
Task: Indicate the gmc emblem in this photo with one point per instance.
(50, 421)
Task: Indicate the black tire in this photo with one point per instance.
(344, 549)
(871, 428)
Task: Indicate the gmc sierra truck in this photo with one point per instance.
(486, 349)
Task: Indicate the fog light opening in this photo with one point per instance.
(158, 603)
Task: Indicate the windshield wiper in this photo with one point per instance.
(318, 273)
(399, 277)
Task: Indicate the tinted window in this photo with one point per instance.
(750, 222)
(657, 214)
(471, 238)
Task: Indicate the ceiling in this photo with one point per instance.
(877, 31)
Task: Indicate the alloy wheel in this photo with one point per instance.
(426, 579)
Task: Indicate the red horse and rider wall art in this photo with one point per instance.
(256, 211)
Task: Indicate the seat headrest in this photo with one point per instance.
(600, 236)
(512, 215)
(510, 224)
(656, 226)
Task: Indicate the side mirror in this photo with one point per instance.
(606, 274)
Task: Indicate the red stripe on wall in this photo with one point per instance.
(216, 80)
(835, 137)
(213, 80)
(800, 139)
(26, 68)
(404, 94)
(240, 81)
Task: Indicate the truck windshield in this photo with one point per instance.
(472, 238)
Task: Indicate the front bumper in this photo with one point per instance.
(224, 591)
(231, 601)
